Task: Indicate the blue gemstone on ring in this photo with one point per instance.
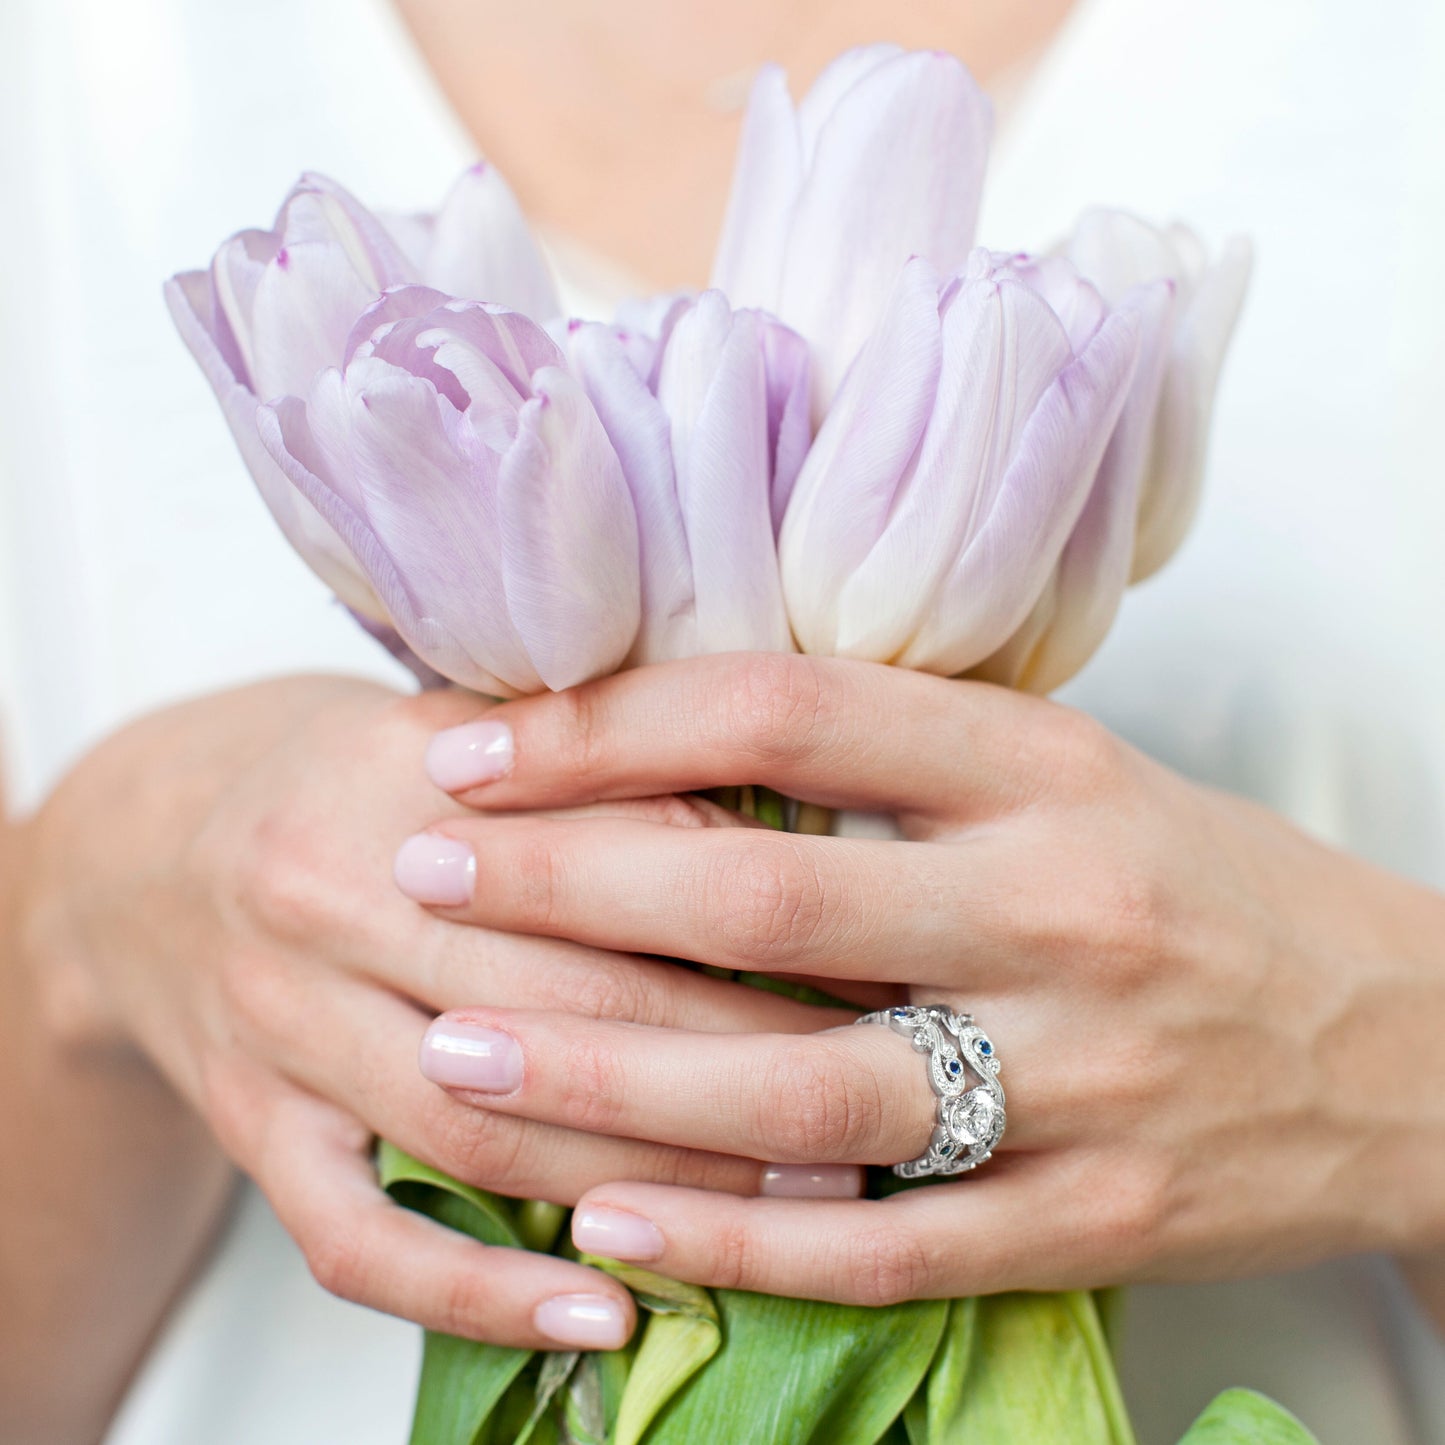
(899, 1013)
(954, 1066)
(945, 1149)
(984, 1047)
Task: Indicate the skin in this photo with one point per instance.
(1221, 1038)
(616, 124)
(206, 968)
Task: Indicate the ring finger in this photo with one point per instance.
(849, 1095)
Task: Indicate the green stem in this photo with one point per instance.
(1111, 1396)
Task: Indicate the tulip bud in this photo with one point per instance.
(1119, 252)
(278, 307)
(953, 465)
(469, 477)
(883, 159)
(710, 420)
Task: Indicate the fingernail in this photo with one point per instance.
(584, 1321)
(432, 869)
(812, 1181)
(474, 753)
(468, 1056)
(616, 1234)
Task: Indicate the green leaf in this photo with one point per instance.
(939, 1402)
(461, 1380)
(1242, 1417)
(1026, 1367)
(801, 1372)
(594, 1396)
(681, 1336)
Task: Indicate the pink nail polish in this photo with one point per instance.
(812, 1181)
(467, 756)
(467, 1056)
(430, 868)
(582, 1321)
(616, 1234)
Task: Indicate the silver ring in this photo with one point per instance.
(970, 1118)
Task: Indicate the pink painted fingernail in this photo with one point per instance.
(467, 756)
(812, 1181)
(467, 1056)
(430, 868)
(616, 1234)
(583, 1321)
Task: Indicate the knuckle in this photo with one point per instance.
(816, 1106)
(336, 1258)
(770, 900)
(581, 749)
(283, 879)
(614, 990)
(591, 1086)
(538, 881)
(1131, 923)
(1127, 1234)
(888, 1266)
(779, 706)
(256, 994)
(732, 1257)
(482, 1149)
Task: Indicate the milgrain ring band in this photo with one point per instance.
(970, 1118)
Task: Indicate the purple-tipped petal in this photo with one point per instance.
(319, 210)
(568, 537)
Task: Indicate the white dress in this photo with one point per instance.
(1292, 652)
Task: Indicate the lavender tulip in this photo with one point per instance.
(1118, 252)
(277, 307)
(959, 453)
(1081, 598)
(883, 159)
(710, 420)
(468, 475)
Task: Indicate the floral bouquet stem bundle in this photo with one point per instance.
(870, 439)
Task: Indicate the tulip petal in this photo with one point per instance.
(846, 487)
(898, 172)
(193, 304)
(424, 518)
(713, 388)
(1077, 608)
(568, 537)
(641, 435)
(766, 179)
(319, 210)
(834, 81)
(304, 307)
(1002, 348)
(1171, 493)
(481, 248)
(1014, 547)
(788, 376)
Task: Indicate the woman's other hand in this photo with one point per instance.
(212, 890)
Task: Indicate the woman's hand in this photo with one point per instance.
(213, 888)
(1221, 1039)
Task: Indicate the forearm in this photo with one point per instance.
(109, 1193)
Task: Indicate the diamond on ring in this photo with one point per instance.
(970, 1115)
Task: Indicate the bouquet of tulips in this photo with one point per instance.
(867, 439)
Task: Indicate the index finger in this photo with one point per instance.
(829, 731)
